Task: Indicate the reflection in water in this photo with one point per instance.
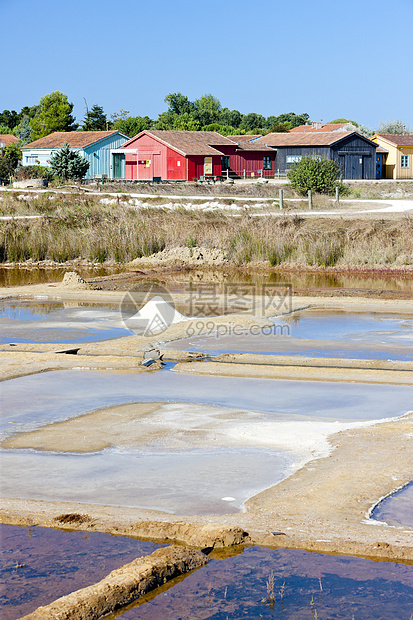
(38, 565)
(20, 276)
(185, 281)
(306, 585)
(55, 322)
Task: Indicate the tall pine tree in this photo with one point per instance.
(95, 119)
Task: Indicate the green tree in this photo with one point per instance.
(67, 164)
(133, 125)
(9, 118)
(95, 119)
(179, 103)
(394, 127)
(224, 130)
(233, 118)
(207, 110)
(24, 130)
(316, 173)
(343, 120)
(294, 119)
(54, 114)
(118, 116)
(281, 127)
(252, 122)
(185, 122)
(9, 159)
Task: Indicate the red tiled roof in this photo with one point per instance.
(253, 146)
(323, 128)
(75, 139)
(188, 142)
(315, 138)
(199, 142)
(405, 139)
(248, 143)
(245, 138)
(8, 139)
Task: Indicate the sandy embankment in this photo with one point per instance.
(321, 507)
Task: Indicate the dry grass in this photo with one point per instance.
(80, 227)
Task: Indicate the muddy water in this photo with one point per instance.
(311, 333)
(20, 276)
(397, 509)
(356, 283)
(55, 322)
(214, 438)
(40, 564)
(306, 585)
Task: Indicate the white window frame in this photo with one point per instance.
(32, 159)
(293, 159)
(266, 162)
(405, 161)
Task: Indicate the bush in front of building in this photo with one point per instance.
(33, 172)
(316, 173)
(68, 164)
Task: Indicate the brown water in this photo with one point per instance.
(20, 276)
(384, 282)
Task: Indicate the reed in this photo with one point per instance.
(74, 226)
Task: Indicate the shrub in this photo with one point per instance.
(68, 164)
(34, 172)
(315, 173)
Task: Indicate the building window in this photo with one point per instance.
(32, 159)
(266, 162)
(226, 162)
(404, 163)
(293, 159)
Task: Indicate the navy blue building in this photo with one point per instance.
(355, 154)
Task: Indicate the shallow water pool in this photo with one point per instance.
(313, 334)
(53, 322)
(397, 509)
(38, 565)
(306, 585)
(212, 443)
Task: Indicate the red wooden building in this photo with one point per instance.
(191, 155)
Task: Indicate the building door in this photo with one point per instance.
(354, 166)
(156, 167)
(207, 166)
(379, 166)
(118, 165)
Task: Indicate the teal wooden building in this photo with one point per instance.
(99, 147)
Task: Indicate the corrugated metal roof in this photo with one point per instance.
(397, 139)
(75, 139)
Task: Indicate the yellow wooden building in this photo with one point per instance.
(398, 163)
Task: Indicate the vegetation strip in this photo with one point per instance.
(123, 586)
(83, 227)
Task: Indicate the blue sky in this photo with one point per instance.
(332, 58)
